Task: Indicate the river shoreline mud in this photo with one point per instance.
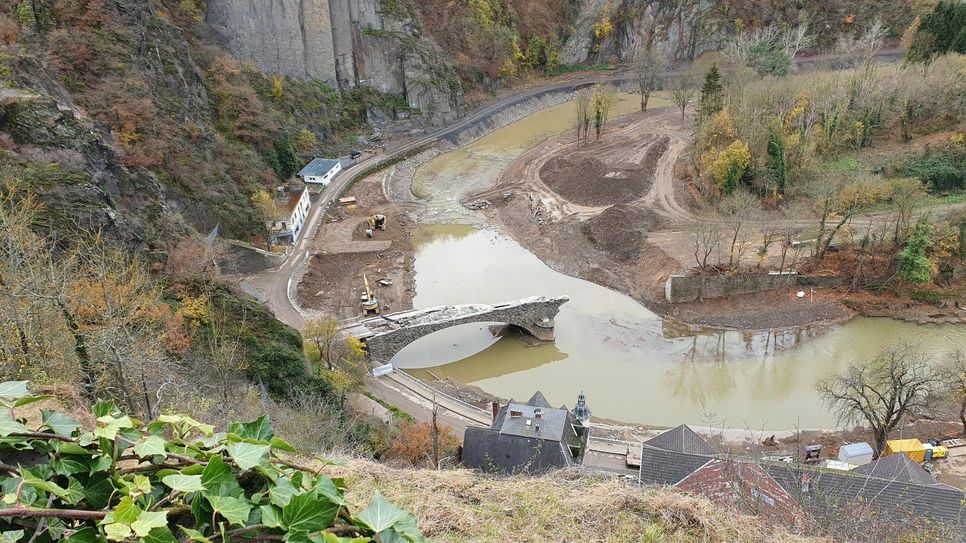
(626, 240)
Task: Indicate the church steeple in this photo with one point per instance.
(581, 411)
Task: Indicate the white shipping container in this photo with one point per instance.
(857, 454)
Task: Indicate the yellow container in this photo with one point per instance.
(940, 452)
(911, 447)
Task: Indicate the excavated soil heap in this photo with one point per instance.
(620, 230)
(585, 180)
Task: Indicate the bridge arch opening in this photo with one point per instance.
(456, 343)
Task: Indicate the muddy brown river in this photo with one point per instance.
(633, 366)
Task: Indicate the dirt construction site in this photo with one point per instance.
(611, 211)
(344, 256)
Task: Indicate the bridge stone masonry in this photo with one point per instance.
(386, 335)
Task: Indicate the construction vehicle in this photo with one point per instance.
(368, 302)
(375, 222)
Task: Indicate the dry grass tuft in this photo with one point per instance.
(567, 506)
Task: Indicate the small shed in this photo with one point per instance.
(911, 447)
(857, 454)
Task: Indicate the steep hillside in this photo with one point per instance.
(126, 119)
(347, 43)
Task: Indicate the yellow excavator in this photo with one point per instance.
(375, 222)
(368, 302)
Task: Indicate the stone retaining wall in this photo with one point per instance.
(682, 288)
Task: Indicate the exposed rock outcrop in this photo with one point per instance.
(680, 30)
(286, 37)
(348, 42)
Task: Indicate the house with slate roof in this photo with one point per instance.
(321, 171)
(893, 489)
(530, 437)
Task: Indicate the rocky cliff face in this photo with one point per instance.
(348, 42)
(286, 37)
(679, 30)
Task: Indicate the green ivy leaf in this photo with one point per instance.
(407, 527)
(42, 484)
(70, 465)
(149, 520)
(104, 408)
(219, 480)
(259, 429)
(11, 536)
(247, 455)
(13, 390)
(29, 400)
(194, 535)
(101, 463)
(308, 513)
(8, 425)
(126, 511)
(117, 532)
(183, 423)
(138, 486)
(380, 514)
(84, 535)
(184, 483)
(98, 491)
(281, 445)
(59, 424)
(150, 446)
(75, 491)
(110, 425)
(327, 487)
(271, 516)
(159, 535)
(281, 493)
(234, 510)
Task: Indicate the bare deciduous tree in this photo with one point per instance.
(705, 233)
(738, 208)
(882, 392)
(683, 88)
(954, 374)
(582, 114)
(646, 68)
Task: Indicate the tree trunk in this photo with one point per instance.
(880, 441)
(962, 414)
(647, 98)
(80, 349)
(435, 430)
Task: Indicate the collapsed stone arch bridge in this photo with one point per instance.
(386, 335)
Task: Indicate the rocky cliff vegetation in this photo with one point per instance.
(126, 118)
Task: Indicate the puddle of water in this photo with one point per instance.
(632, 366)
(442, 181)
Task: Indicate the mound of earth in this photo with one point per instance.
(585, 180)
(620, 230)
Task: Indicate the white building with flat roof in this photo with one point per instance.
(321, 171)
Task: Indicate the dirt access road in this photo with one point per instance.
(275, 287)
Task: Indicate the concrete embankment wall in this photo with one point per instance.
(681, 288)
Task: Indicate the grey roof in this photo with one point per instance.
(664, 467)
(682, 440)
(492, 451)
(539, 400)
(552, 424)
(897, 467)
(897, 498)
(510, 445)
(829, 493)
(318, 167)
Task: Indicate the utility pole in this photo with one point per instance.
(435, 431)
